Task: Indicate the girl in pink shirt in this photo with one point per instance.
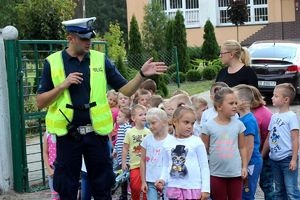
(49, 155)
(263, 117)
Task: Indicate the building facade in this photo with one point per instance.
(267, 19)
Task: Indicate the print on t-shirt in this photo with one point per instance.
(178, 155)
(275, 137)
(137, 139)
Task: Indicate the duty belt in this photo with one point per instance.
(83, 130)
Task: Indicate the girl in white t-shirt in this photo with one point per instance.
(151, 157)
(185, 166)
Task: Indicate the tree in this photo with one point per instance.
(210, 47)
(237, 13)
(42, 19)
(8, 12)
(115, 41)
(108, 11)
(135, 48)
(153, 31)
(121, 67)
(180, 42)
(170, 35)
(154, 27)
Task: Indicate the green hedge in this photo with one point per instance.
(209, 72)
(182, 77)
(193, 75)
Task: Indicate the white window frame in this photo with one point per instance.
(252, 16)
(191, 15)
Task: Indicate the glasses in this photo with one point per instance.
(222, 53)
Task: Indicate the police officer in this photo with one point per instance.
(73, 86)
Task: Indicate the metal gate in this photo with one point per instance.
(25, 60)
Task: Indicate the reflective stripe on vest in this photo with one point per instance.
(100, 114)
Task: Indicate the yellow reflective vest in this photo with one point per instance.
(100, 114)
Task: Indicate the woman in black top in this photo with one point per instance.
(237, 60)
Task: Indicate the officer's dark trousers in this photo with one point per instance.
(68, 166)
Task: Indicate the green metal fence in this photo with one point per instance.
(25, 60)
(169, 57)
(28, 121)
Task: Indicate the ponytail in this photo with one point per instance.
(245, 56)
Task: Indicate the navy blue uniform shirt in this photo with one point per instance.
(80, 94)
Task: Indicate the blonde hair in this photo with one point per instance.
(137, 107)
(126, 111)
(197, 101)
(216, 86)
(179, 112)
(245, 94)
(156, 113)
(112, 92)
(258, 99)
(156, 100)
(240, 52)
(288, 90)
(179, 91)
(139, 93)
(220, 96)
(180, 99)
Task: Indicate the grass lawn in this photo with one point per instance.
(191, 87)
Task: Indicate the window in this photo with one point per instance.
(189, 8)
(257, 11)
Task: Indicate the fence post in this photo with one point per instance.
(10, 35)
(177, 66)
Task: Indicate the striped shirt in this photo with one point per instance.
(120, 141)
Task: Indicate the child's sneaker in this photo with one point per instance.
(129, 189)
(54, 196)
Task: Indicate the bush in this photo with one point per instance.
(162, 87)
(182, 77)
(166, 78)
(121, 67)
(210, 47)
(209, 73)
(217, 68)
(194, 52)
(131, 73)
(193, 75)
(171, 69)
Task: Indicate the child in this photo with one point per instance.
(245, 97)
(224, 139)
(151, 158)
(112, 97)
(143, 98)
(149, 85)
(180, 99)
(211, 113)
(185, 166)
(200, 105)
(155, 101)
(123, 101)
(132, 145)
(49, 155)
(123, 120)
(283, 143)
(263, 117)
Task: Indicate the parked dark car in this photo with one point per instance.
(276, 62)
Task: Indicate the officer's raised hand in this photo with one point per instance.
(73, 78)
(152, 68)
